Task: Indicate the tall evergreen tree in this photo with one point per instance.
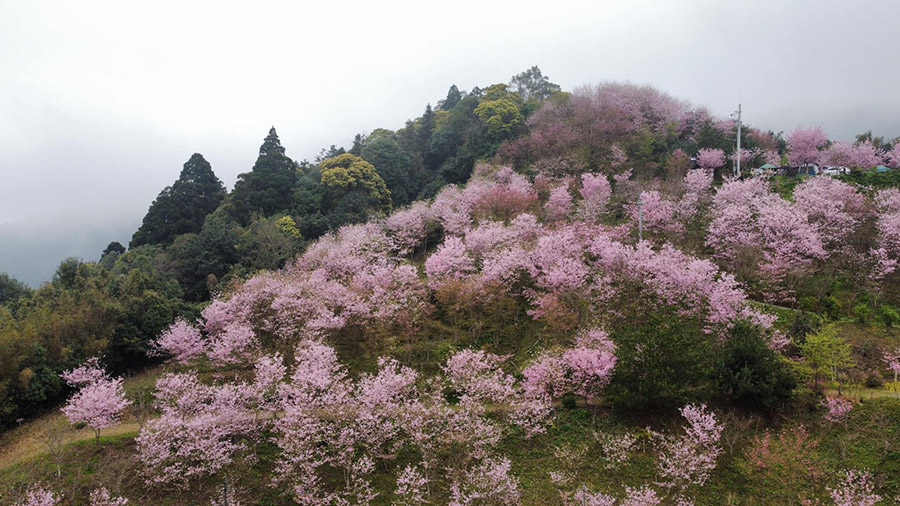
(268, 188)
(453, 98)
(182, 207)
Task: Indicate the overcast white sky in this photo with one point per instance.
(101, 102)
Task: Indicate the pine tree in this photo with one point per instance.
(182, 207)
(268, 188)
(453, 98)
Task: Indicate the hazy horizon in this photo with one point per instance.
(101, 103)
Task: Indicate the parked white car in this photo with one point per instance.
(835, 171)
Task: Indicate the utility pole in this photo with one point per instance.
(737, 163)
(641, 218)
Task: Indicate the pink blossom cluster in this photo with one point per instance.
(710, 159)
(835, 208)
(85, 374)
(100, 401)
(645, 496)
(102, 497)
(886, 254)
(837, 409)
(697, 193)
(182, 342)
(595, 193)
(202, 428)
(503, 196)
(856, 489)
(411, 487)
(863, 155)
(559, 204)
(490, 482)
(695, 286)
(408, 228)
(658, 213)
(583, 369)
(805, 144)
(39, 497)
(892, 157)
(892, 359)
(334, 422)
(756, 227)
(688, 459)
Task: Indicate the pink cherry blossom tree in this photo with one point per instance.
(711, 159)
(89, 372)
(449, 262)
(200, 432)
(867, 156)
(595, 194)
(804, 145)
(408, 228)
(835, 208)
(490, 482)
(839, 154)
(583, 369)
(411, 487)
(559, 205)
(99, 403)
(892, 157)
(182, 342)
(687, 460)
(658, 213)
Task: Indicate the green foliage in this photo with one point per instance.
(873, 179)
(453, 98)
(751, 372)
(862, 312)
(805, 323)
(827, 353)
(180, 208)
(393, 165)
(11, 289)
(532, 85)
(87, 310)
(889, 316)
(665, 359)
(269, 187)
(202, 260)
(502, 117)
(350, 178)
(268, 243)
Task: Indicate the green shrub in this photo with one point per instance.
(889, 316)
(805, 324)
(874, 380)
(831, 307)
(862, 312)
(750, 372)
(664, 360)
(808, 304)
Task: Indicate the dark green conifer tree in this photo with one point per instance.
(269, 187)
(182, 207)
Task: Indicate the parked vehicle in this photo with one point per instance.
(835, 171)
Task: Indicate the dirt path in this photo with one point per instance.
(864, 393)
(29, 441)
